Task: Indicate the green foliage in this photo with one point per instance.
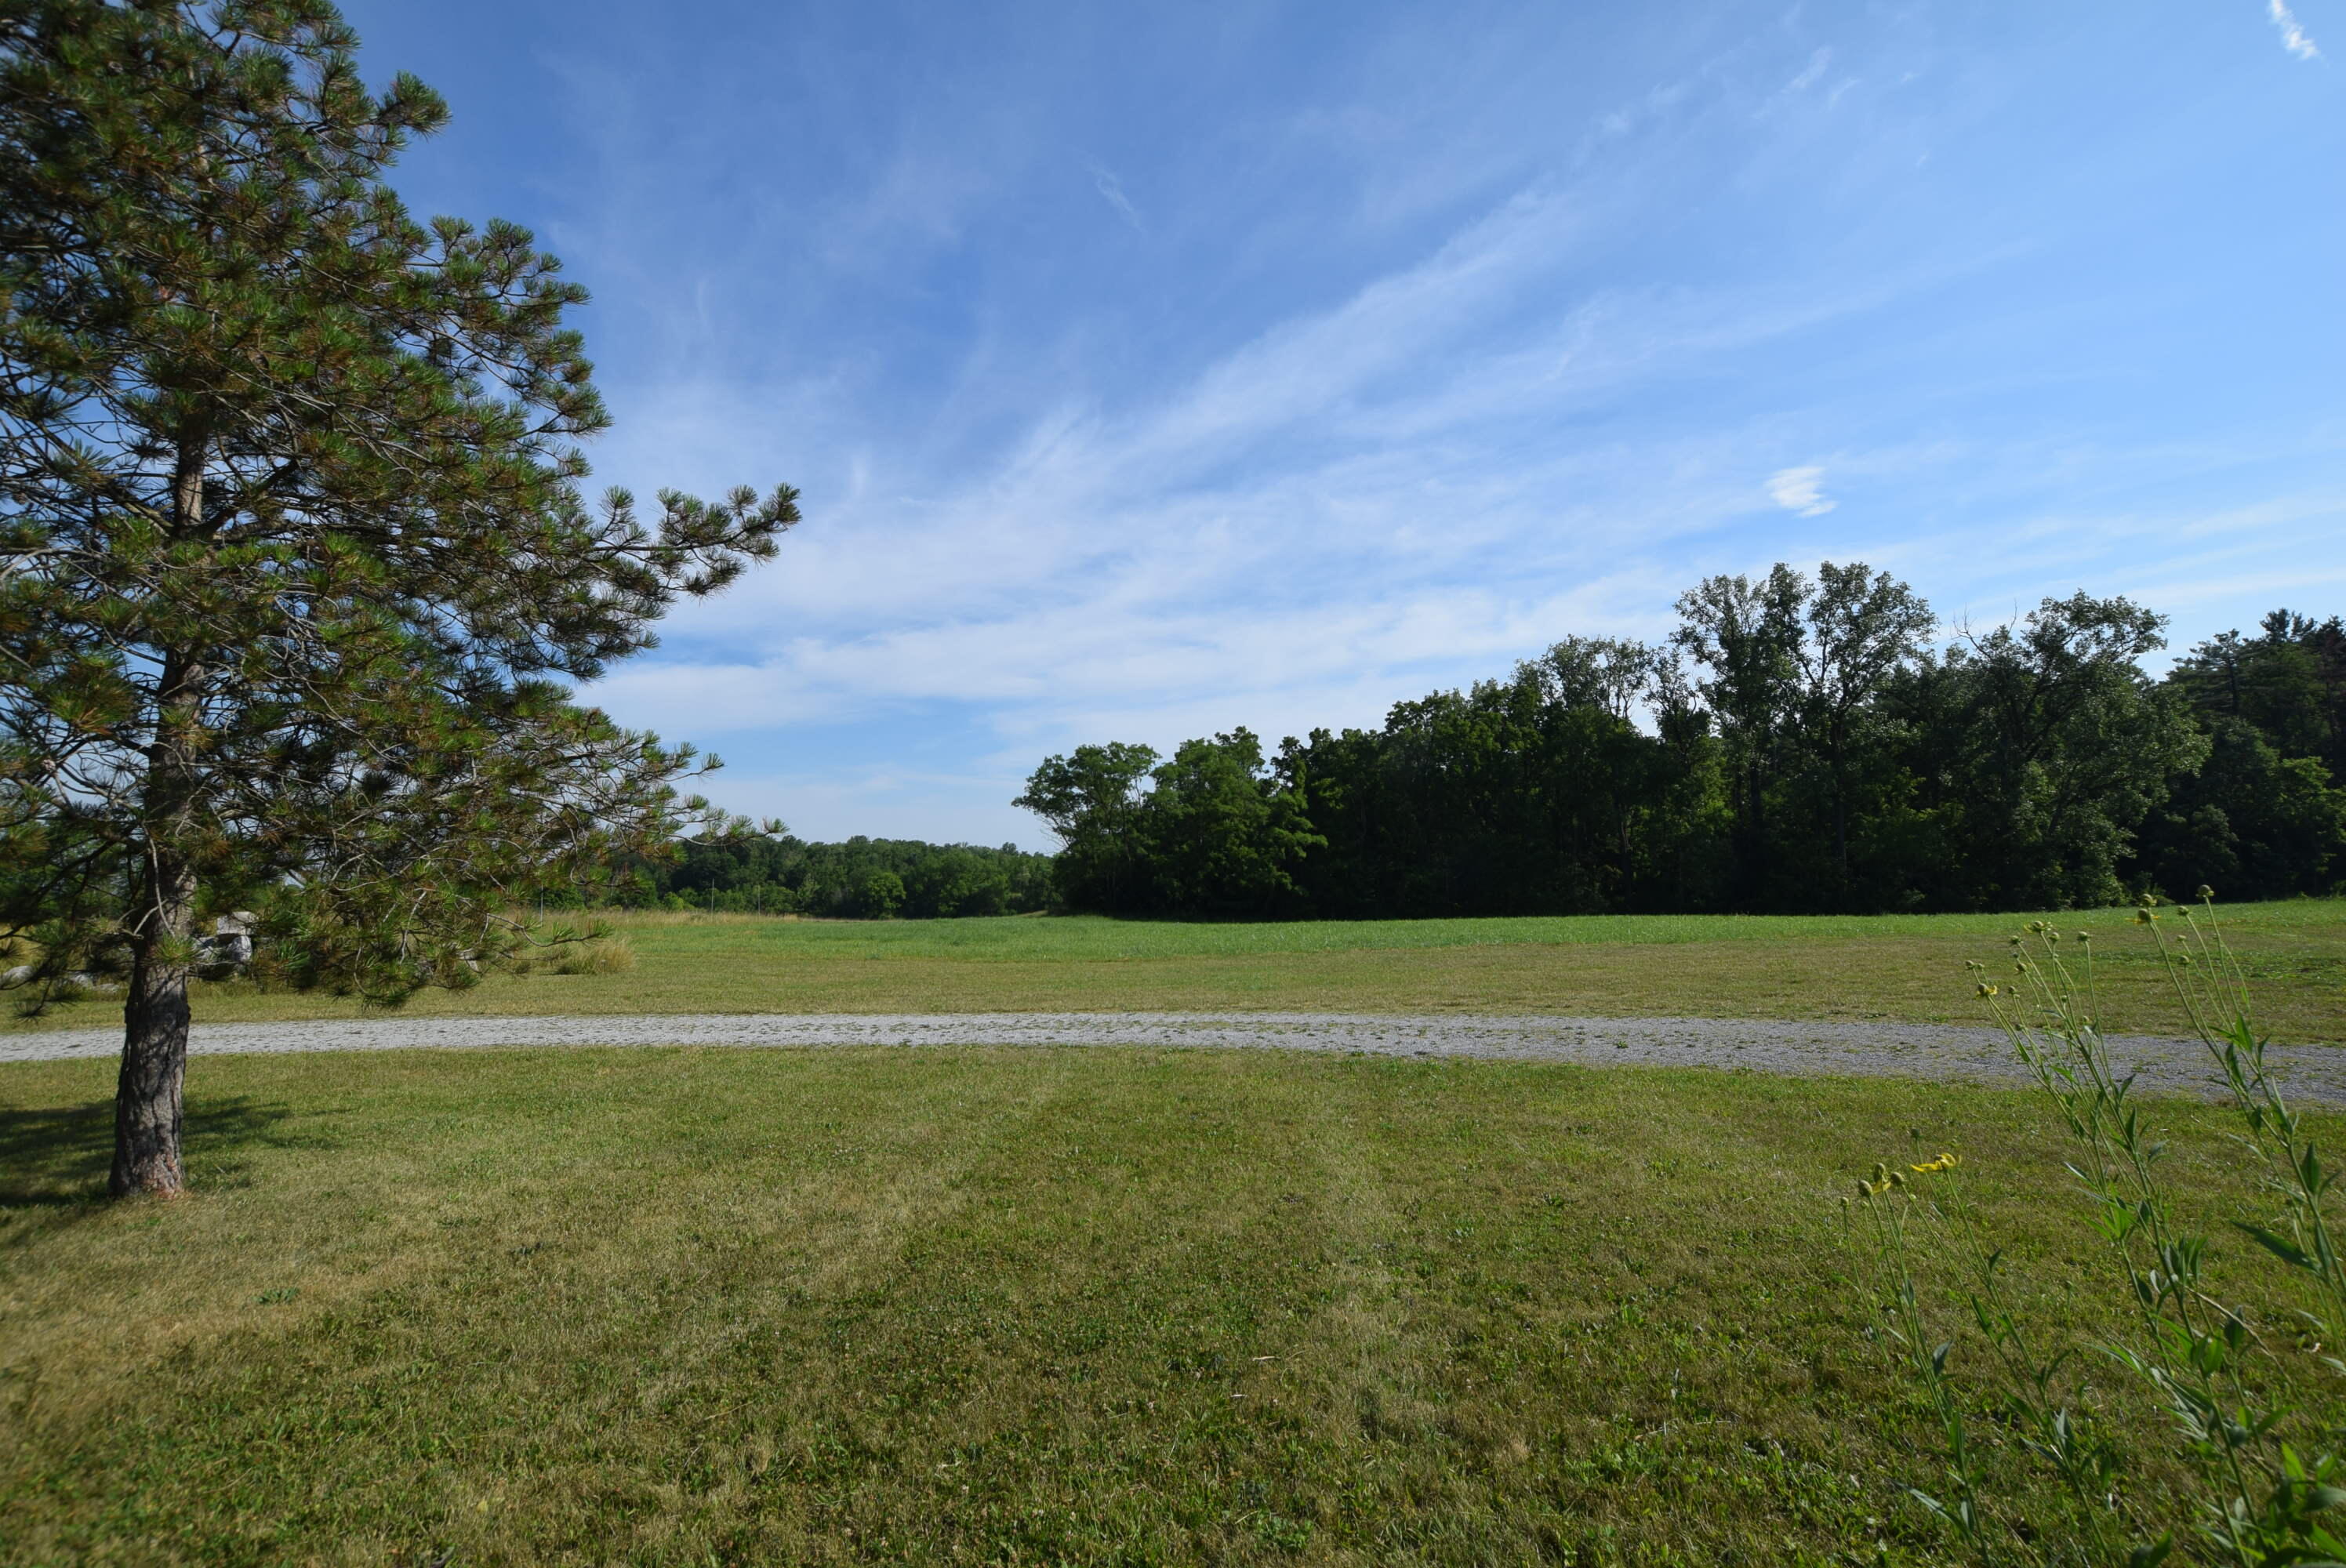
(878, 896)
(1534, 795)
(1091, 798)
(2263, 817)
(1223, 835)
(773, 872)
(2248, 818)
(1215, 833)
(1797, 747)
(2289, 682)
(2051, 747)
(1748, 637)
(293, 562)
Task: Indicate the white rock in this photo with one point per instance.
(232, 948)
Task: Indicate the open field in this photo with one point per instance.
(1131, 1306)
(1838, 967)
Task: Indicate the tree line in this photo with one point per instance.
(1800, 744)
(765, 870)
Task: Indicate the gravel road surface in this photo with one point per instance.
(1896, 1049)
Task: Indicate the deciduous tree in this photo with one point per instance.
(1225, 836)
(2060, 747)
(1092, 799)
(1747, 635)
(1862, 627)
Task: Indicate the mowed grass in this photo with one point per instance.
(1848, 967)
(961, 1305)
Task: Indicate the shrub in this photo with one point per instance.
(603, 955)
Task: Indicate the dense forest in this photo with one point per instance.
(1797, 744)
(756, 870)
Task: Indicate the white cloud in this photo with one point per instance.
(969, 807)
(1404, 481)
(1310, 366)
(1796, 491)
(1356, 437)
(1101, 657)
(2292, 35)
(1112, 189)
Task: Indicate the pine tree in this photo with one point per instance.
(293, 557)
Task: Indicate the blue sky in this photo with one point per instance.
(1150, 370)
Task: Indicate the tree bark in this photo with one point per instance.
(148, 1095)
(148, 1103)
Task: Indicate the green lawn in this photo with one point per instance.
(1081, 1307)
(1902, 967)
(1091, 938)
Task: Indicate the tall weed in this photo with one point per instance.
(2260, 1444)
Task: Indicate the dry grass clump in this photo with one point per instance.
(603, 955)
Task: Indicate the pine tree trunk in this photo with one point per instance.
(148, 1095)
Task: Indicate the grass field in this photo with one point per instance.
(1901, 967)
(1083, 1306)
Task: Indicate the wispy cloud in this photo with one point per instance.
(1412, 376)
(2292, 35)
(1112, 189)
(1796, 490)
(1357, 436)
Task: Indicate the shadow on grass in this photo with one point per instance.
(58, 1156)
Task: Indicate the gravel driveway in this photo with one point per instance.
(1897, 1050)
